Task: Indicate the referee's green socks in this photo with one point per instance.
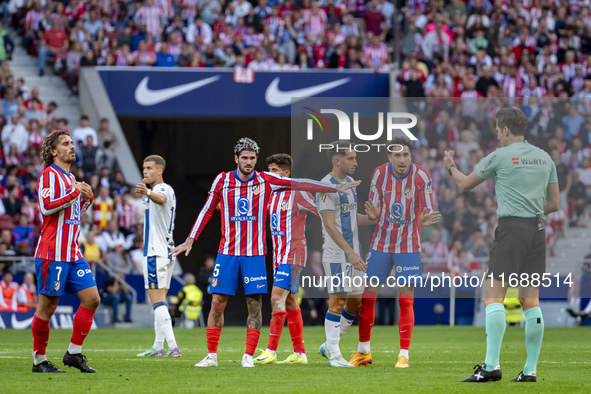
(495, 329)
(534, 333)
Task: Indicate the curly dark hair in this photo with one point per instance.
(403, 141)
(283, 160)
(49, 144)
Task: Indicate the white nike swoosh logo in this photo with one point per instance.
(152, 275)
(146, 96)
(278, 98)
(19, 325)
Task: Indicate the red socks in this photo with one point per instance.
(277, 323)
(252, 340)
(296, 330)
(367, 315)
(213, 338)
(40, 329)
(82, 325)
(406, 321)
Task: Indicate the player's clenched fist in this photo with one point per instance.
(141, 188)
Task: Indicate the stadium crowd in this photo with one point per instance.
(466, 58)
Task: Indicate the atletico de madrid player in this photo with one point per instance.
(288, 210)
(243, 196)
(59, 264)
(401, 199)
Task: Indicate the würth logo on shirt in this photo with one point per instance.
(515, 160)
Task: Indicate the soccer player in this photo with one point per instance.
(527, 189)
(288, 210)
(243, 196)
(59, 265)
(401, 199)
(341, 251)
(157, 265)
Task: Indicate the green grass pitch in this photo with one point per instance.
(440, 358)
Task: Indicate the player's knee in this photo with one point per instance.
(528, 303)
(277, 303)
(217, 305)
(92, 302)
(354, 305)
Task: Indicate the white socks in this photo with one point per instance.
(346, 321)
(39, 358)
(163, 324)
(363, 347)
(332, 328)
(74, 349)
(403, 352)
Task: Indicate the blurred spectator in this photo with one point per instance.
(8, 296)
(110, 237)
(5, 252)
(13, 203)
(14, 133)
(90, 249)
(103, 208)
(118, 260)
(54, 45)
(89, 154)
(136, 254)
(80, 133)
(434, 248)
(190, 298)
(577, 198)
(27, 294)
(126, 213)
(23, 233)
(114, 294)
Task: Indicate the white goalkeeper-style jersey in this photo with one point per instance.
(159, 223)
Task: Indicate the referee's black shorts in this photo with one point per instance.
(519, 248)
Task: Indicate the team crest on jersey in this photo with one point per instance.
(408, 193)
(56, 285)
(45, 193)
(284, 205)
(214, 282)
(257, 189)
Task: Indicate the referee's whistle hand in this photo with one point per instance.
(448, 157)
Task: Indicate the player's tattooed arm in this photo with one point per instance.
(255, 317)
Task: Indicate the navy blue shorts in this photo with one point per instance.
(231, 270)
(408, 265)
(56, 277)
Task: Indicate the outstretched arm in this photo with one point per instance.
(210, 206)
(464, 182)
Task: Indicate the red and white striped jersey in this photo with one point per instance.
(402, 200)
(288, 210)
(149, 16)
(375, 56)
(61, 205)
(243, 209)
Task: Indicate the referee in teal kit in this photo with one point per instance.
(527, 189)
